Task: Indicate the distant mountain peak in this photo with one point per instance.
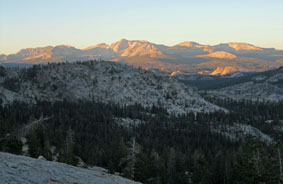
(101, 45)
(136, 48)
(223, 70)
(188, 44)
(243, 46)
(35, 49)
(123, 39)
(176, 73)
(64, 46)
(220, 55)
(120, 45)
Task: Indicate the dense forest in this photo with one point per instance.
(156, 149)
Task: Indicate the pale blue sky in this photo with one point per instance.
(82, 23)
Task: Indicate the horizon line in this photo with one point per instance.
(168, 45)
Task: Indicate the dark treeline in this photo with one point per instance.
(160, 149)
(263, 115)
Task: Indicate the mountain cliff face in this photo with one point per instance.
(99, 81)
(187, 57)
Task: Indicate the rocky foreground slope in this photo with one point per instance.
(15, 169)
(99, 81)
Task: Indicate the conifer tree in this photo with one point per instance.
(131, 159)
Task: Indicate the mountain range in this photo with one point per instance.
(186, 57)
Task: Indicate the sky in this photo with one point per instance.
(83, 23)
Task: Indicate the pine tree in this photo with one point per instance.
(121, 154)
(276, 160)
(171, 165)
(46, 146)
(131, 159)
(66, 154)
(279, 156)
(142, 168)
(69, 147)
(253, 166)
(33, 143)
(110, 167)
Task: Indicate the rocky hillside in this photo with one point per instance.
(187, 57)
(266, 86)
(99, 81)
(24, 170)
